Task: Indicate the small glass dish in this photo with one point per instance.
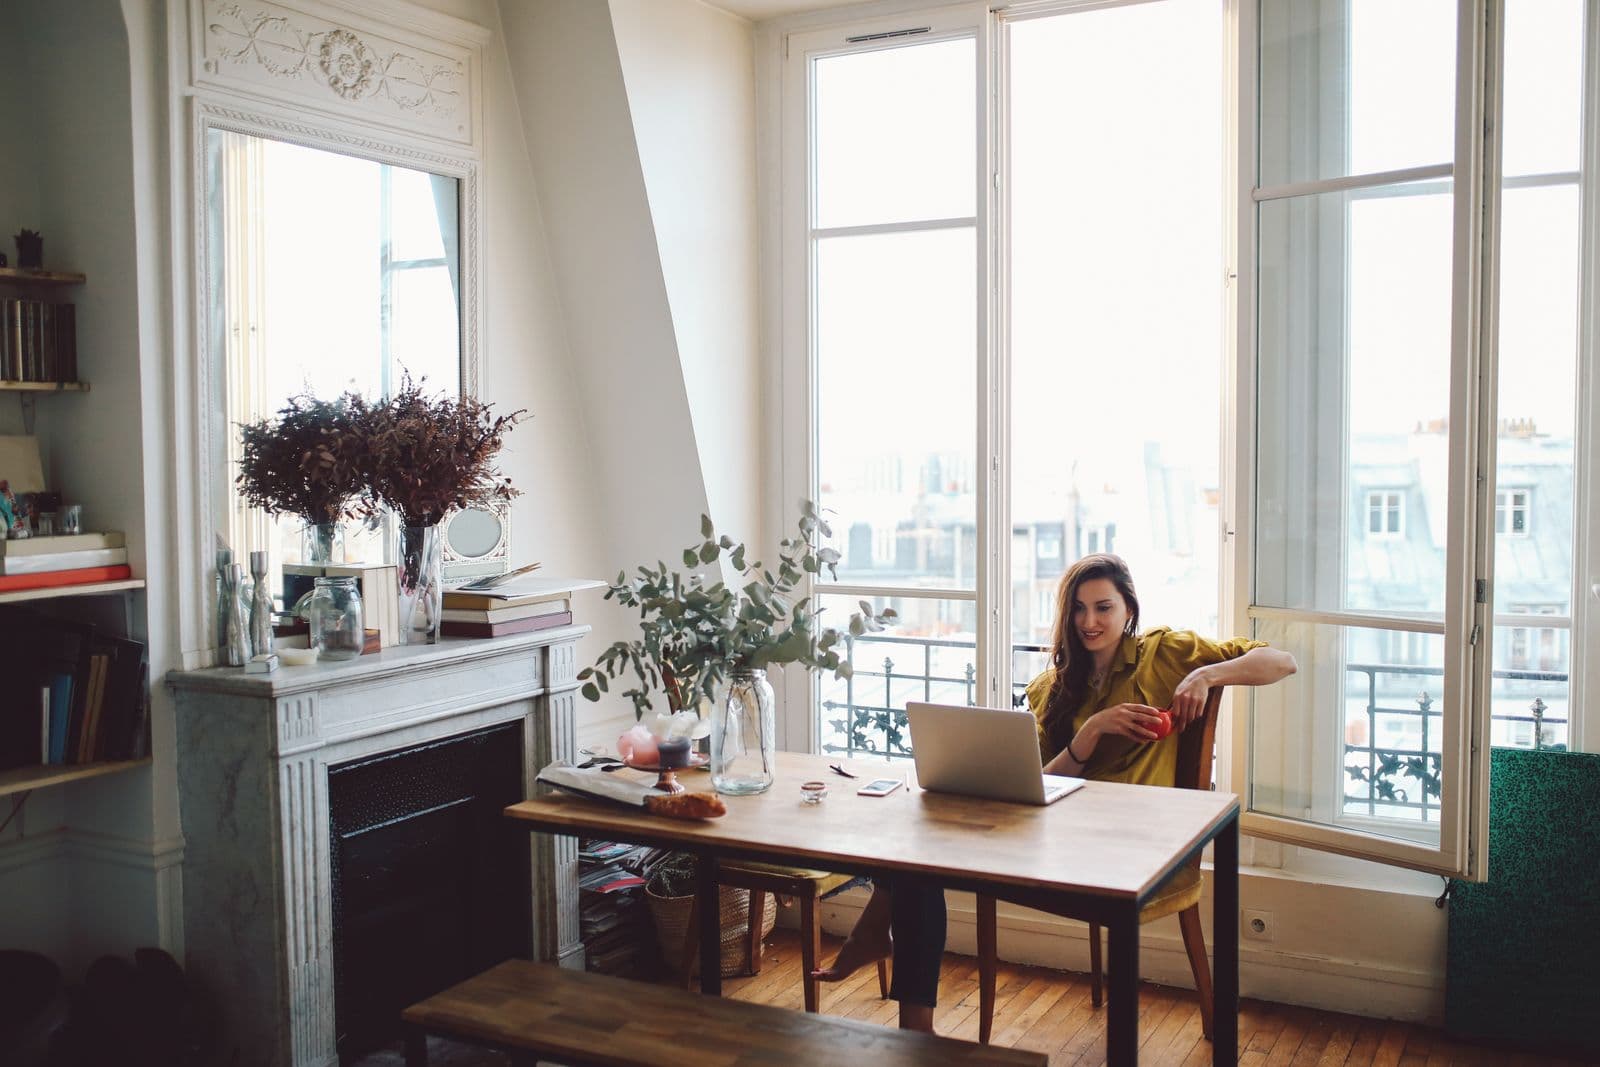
(813, 792)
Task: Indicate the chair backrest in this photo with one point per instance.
(1197, 746)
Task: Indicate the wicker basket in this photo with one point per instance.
(672, 914)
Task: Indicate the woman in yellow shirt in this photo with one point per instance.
(1097, 703)
(1098, 707)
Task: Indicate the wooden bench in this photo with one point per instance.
(590, 1020)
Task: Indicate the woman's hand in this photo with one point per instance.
(1189, 699)
(1138, 722)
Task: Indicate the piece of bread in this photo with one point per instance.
(686, 805)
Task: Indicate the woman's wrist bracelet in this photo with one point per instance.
(1073, 755)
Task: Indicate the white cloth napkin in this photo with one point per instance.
(593, 782)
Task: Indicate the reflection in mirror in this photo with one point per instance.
(330, 273)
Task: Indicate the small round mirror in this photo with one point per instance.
(474, 533)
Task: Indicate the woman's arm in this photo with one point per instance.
(1135, 721)
(1259, 666)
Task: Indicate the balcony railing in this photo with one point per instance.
(1404, 781)
(865, 714)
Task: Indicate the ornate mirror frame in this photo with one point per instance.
(390, 82)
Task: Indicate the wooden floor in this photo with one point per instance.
(1049, 1011)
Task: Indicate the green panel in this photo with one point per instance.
(1524, 958)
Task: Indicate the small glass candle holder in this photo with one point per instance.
(673, 752)
(46, 526)
(71, 519)
(813, 792)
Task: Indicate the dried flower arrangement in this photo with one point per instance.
(308, 459)
(428, 456)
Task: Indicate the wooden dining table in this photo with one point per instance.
(1097, 854)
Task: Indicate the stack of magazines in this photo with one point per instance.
(612, 917)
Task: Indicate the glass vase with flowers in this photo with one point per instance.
(706, 644)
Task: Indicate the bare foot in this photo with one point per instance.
(858, 950)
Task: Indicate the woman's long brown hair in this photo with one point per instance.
(1067, 654)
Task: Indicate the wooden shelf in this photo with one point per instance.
(41, 277)
(21, 779)
(16, 596)
(43, 387)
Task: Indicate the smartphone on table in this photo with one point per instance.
(881, 787)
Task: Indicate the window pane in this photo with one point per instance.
(930, 656)
(1540, 230)
(1543, 86)
(1353, 392)
(896, 134)
(423, 209)
(1355, 87)
(424, 334)
(1353, 737)
(1116, 306)
(896, 380)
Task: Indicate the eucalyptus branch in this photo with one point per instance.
(693, 632)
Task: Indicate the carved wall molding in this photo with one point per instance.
(336, 58)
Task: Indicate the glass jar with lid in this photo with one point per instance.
(335, 614)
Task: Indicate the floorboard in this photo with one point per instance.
(1050, 1011)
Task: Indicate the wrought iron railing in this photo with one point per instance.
(865, 714)
(1386, 770)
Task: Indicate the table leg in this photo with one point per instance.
(710, 924)
(1225, 935)
(1122, 1013)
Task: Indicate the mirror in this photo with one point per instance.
(477, 543)
(327, 272)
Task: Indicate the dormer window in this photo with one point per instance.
(1386, 513)
(1513, 512)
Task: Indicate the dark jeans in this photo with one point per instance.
(918, 925)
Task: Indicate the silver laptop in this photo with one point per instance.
(982, 752)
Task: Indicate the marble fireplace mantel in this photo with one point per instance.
(253, 758)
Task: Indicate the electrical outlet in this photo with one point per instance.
(1257, 925)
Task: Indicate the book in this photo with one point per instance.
(123, 704)
(61, 561)
(519, 591)
(509, 613)
(52, 579)
(504, 629)
(48, 546)
(93, 699)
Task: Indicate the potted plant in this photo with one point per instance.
(426, 456)
(701, 638)
(307, 460)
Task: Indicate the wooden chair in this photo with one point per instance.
(806, 886)
(1180, 896)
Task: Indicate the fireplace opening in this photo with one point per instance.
(431, 884)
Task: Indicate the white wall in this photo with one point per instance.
(689, 69)
(647, 480)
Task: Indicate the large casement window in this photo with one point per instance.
(1220, 286)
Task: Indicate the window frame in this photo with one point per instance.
(1380, 504)
(799, 728)
(1508, 510)
(1475, 170)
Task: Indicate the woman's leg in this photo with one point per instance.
(868, 941)
(918, 922)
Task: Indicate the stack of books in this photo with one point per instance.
(69, 559)
(82, 696)
(518, 607)
(38, 341)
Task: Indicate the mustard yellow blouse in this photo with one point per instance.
(1145, 670)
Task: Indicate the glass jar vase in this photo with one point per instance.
(336, 618)
(744, 736)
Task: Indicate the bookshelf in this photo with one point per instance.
(28, 391)
(22, 779)
(14, 276)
